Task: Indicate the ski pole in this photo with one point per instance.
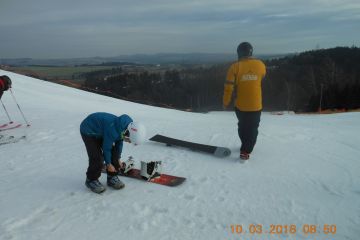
(10, 121)
(12, 94)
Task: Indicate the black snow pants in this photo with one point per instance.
(248, 124)
(96, 160)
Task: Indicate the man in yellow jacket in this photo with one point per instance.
(245, 76)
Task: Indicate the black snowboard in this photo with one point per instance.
(217, 151)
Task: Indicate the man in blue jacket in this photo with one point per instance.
(103, 135)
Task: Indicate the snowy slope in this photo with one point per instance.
(305, 170)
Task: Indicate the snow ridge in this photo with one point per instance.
(304, 170)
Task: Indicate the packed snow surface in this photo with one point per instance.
(304, 172)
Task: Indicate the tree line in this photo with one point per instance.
(326, 78)
(196, 89)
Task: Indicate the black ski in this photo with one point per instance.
(217, 151)
(10, 139)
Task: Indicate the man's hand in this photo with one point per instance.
(110, 168)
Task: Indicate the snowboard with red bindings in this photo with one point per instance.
(128, 170)
(163, 179)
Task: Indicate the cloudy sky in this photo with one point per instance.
(86, 28)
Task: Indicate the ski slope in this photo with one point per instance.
(304, 171)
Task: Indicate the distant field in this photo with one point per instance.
(60, 72)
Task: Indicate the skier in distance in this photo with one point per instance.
(5, 84)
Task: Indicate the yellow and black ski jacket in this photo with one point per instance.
(246, 76)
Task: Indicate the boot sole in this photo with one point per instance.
(93, 190)
(116, 188)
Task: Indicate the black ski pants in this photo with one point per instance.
(248, 124)
(96, 160)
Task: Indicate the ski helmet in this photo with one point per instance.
(137, 132)
(244, 50)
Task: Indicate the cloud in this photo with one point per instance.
(50, 28)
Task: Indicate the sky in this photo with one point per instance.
(88, 28)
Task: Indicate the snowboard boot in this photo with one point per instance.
(95, 186)
(114, 182)
(150, 170)
(127, 165)
(244, 156)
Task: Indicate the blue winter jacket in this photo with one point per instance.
(108, 127)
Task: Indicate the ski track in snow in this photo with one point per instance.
(304, 170)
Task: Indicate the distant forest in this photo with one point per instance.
(305, 82)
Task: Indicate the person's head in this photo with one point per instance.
(135, 133)
(5, 83)
(244, 50)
